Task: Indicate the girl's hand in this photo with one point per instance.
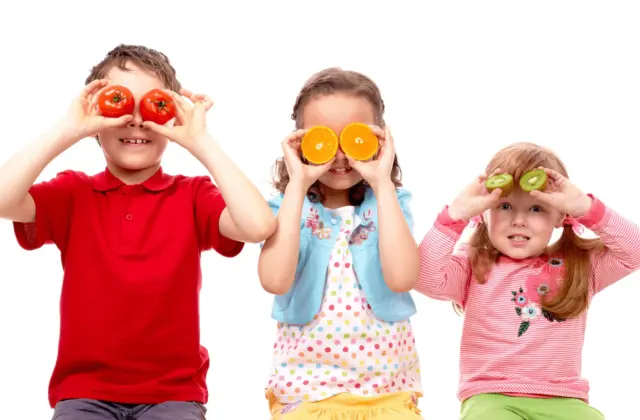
(474, 199)
(379, 169)
(562, 195)
(297, 169)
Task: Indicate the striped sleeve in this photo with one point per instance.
(444, 275)
(621, 239)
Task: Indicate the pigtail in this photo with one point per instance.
(573, 297)
(482, 253)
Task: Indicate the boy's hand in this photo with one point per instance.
(190, 123)
(83, 118)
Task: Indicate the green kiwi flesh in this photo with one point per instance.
(502, 181)
(533, 180)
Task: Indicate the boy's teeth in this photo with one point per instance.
(136, 141)
(519, 238)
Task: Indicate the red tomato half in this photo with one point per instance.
(116, 101)
(157, 106)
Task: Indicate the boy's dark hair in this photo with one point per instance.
(326, 82)
(143, 57)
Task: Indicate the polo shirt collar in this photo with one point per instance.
(105, 181)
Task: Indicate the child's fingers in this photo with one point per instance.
(117, 122)
(160, 129)
(379, 132)
(93, 87)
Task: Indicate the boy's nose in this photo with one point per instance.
(137, 120)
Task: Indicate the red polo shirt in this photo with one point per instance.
(129, 307)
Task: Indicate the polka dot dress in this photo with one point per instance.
(345, 348)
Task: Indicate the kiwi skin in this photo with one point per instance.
(540, 185)
(506, 189)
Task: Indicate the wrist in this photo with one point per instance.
(67, 135)
(584, 206)
(297, 186)
(201, 146)
(382, 185)
(455, 214)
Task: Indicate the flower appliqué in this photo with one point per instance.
(316, 225)
(544, 285)
(361, 233)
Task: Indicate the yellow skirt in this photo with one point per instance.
(395, 406)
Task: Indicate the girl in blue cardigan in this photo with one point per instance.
(341, 264)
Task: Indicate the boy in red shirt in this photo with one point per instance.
(130, 239)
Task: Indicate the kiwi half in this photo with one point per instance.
(502, 181)
(535, 179)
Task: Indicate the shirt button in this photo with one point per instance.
(334, 220)
(129, 216)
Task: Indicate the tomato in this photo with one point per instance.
(116, 101)
(157, 106)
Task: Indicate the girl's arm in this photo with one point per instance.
(444, 275)
(279, 255)
(621, 238)
(398, 250)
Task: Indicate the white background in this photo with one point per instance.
(460, 80)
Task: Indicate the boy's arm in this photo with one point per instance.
(279, 255)
(247, 216)
(398, 248)
(19, 173)
(444, 275)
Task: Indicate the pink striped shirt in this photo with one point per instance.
(509, 345)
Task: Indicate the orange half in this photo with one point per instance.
(359, 141)
(319, 145)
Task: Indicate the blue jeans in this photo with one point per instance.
(87, 409)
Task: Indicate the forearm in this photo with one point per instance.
(279, 256)
(443, 274)
(621, 239)
(398, 249)
(20, 172)
(246, 206)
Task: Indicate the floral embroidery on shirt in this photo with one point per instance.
(361, 233)
(316, 225)
(543, 285)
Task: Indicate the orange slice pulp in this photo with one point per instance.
(319, 145)
(358, 141)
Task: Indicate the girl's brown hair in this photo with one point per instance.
(327, 82)
(573, 296)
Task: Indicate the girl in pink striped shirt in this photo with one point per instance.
(525, 300)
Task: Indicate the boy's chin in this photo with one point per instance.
(133, 164)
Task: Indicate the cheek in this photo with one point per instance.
(543, 225)
(496, 219)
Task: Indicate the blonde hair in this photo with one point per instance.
(573, 297)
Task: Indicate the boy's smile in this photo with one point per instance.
(133, 152)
